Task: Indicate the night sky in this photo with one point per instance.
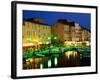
(84, 19)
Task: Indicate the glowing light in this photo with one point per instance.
(70, 53)
(87, 43)
(49, 38)
(70, 43)
(75, 53)
(28, 39)
(41, 66)
(27, 62)
(55, 37)
(55, 61)
(40, 42)
(35, 40)
(28, 44)
(31, 60)
(47, 42)
(49, 63)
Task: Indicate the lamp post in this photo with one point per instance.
(55, 38)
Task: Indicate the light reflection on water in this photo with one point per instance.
(49, 63)
(41, 66)
(55, 61)
(67, 59)
(71, 53)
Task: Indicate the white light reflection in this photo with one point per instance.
(70, 53)
(41, 66)
(49, 63)
(55, 61)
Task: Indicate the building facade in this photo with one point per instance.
(35, 34)
(71, 33)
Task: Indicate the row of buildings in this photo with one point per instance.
(71, 33)
(35, 33)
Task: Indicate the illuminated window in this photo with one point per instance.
(66, 28)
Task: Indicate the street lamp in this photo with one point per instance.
(49, 38)
(54, 40)
(55, 37)
(47, 42)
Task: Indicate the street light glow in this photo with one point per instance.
(49, 63)
(49, 38)
(41, 66)
(55, 37)
(55, 61)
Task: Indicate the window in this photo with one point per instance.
(66, 28)
(33, 26)
(28, 33)
(77, 31)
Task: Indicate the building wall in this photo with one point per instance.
(78, 33)
(85, 35)
(67, 33)
(37, 33)
(72, 33)
(58, 32)
(34, 34)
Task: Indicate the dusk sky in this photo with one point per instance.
(84, 19)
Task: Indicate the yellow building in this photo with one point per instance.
(35, 34)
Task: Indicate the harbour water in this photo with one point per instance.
(66, 59)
